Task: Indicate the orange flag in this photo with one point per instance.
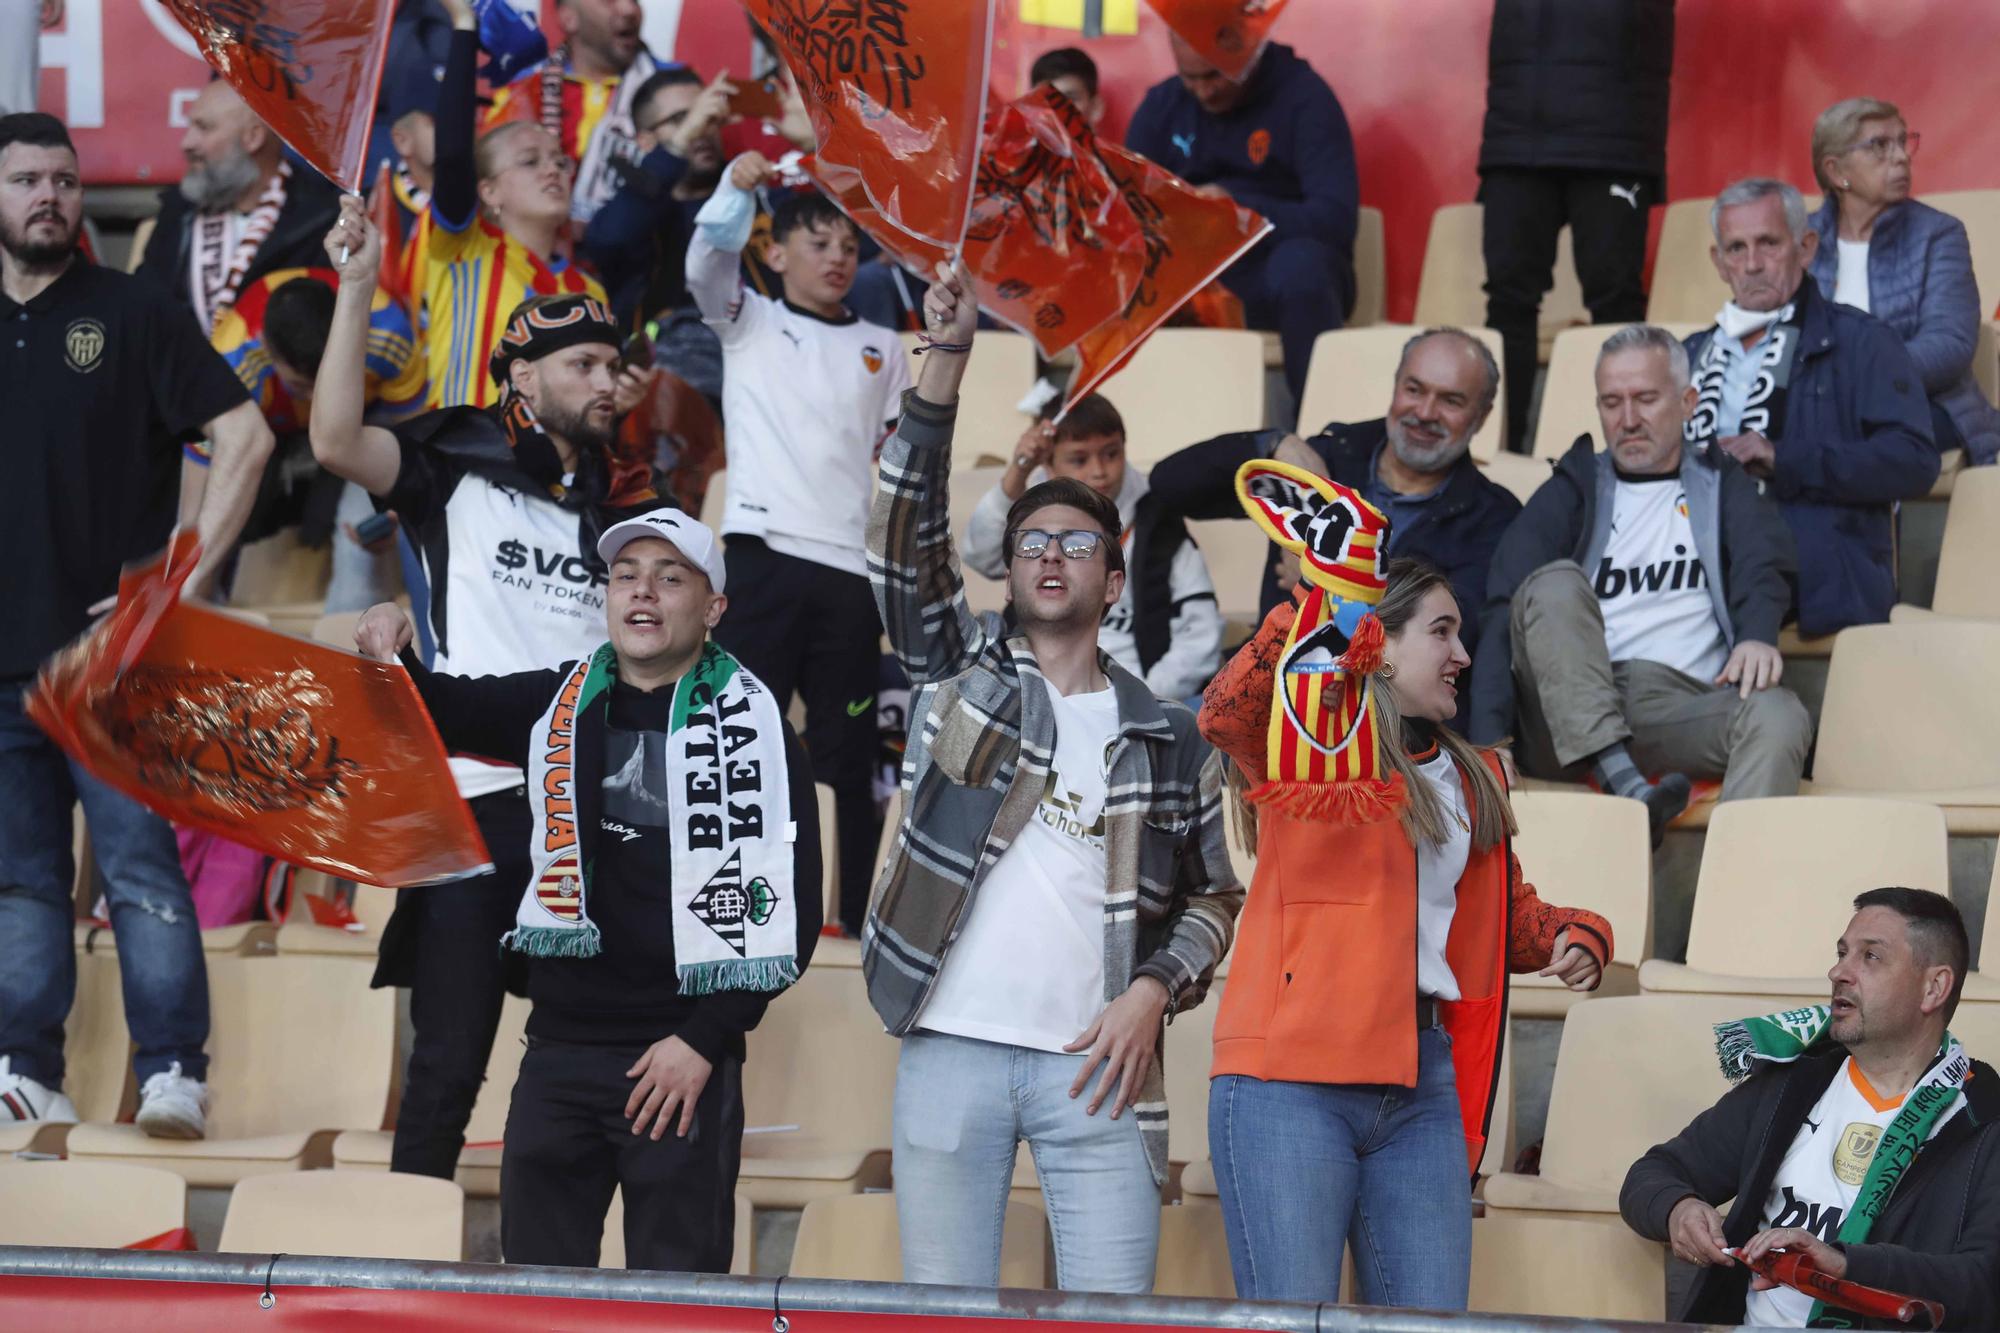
(310, 68)
(394, 276)
(895, 91)
(314, 756)
(1228, 34)
(1190, 239)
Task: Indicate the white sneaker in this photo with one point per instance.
(23, 1101)
(173, 1106)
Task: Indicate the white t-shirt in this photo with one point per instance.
(1439, 869)
(1027, 968)
(1819, 1178)
(1651, 585)
(809, 402)
(1851, 286)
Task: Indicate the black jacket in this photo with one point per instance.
(1752, 573)
(297, 241)
(1938, 1238)
(1457, 532)
(1580, 84)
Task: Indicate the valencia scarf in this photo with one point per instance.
(1325, 745)
(1775, 354)
(729, 801)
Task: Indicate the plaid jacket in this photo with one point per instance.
(975, 766)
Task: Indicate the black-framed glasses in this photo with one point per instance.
(1075, 543)
(1879, 146)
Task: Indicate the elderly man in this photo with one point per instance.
(1861, 1136)
(1633, 608)
(1277, 141)
(674, 890)
(1414, 464)
(241, 211)
(1819, 401)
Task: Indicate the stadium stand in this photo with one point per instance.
(1151, 392)
(1194, 1252)
(98, 1054)
(1969, 555)
(1777, 885)
(1529, 1265)
(97, 1205)
(1451, 290)
(1983, 982)
(856, 1238)
(1583, 849)
(363, 1214)
(1686, 288)
(1371, 265)
(1236, 553)
(998, 376)
(1353, 371)
(1569, 392)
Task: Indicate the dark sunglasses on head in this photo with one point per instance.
(1076, 543)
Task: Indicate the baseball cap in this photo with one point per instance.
(689, 535)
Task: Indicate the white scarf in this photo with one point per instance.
(214, 278)
(729, 802)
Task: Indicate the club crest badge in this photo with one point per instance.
(560, 889)
(726, 905)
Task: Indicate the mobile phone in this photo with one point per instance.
(758, 99)
(638, 353)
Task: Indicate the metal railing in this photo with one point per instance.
(790, 1301)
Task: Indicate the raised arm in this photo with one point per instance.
(918, 587)
(455, 191)
(366, 455)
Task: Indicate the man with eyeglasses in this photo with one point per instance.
(1060, 884)
(1817, 400)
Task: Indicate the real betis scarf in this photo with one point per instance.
(1783, 1038)
(729, 812)
(1764, 410)
(1324, 751)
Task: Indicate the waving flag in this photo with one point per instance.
(309, 68)
(1228, 34)
(314, 756)
(895, 91)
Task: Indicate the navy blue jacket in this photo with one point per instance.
(638, 241)
(1285, 150)
(1857, 438)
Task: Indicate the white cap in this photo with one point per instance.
(688, 534)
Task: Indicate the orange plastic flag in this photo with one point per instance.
(394, 276)
(314, 756)
(1228, 34)
(1190, 239)
(310, 68)
(895, 90)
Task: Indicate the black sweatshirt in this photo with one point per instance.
(629, 994)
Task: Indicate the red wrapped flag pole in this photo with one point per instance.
(1795, 1270)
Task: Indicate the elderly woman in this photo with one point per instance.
(1904, 262)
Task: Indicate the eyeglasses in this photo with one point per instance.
(1879, 146)
(1076, 543)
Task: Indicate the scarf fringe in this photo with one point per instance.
(755, 974)
(1734, 1049)
(584, 941)
(1345, 803)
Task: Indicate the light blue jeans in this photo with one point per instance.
(962, 1106)
(1303, 1167)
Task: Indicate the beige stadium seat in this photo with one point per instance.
(1777, 886)
(1237, 553)
(479, 1161)
(248, 938)
(97, 1055)
(1452, 287)
(1569, 393)
(1522, 476)
(280, 573)
(1194, 1252)
(1531, 1266)
(1983, 983)
(359, 1214)
(1970, 556)
(1631, 1072)
(856, 1239)
(829, 853)
(820, 1078)
(1586, 850)
(1979, 210)
(336, 629)
(998, 375)
(300, 1048)
(1371, 265)
(1686, 288)
(1184, 386)
(611, 1250)
(1353, 375)
(1911, 713)
(88, 1205)
(1499, 1154)
(1190, 1051)
(714, 498)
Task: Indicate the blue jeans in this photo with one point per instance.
(1303, 1167)
(961, 1108)
(152, 911)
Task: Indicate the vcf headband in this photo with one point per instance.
(550, 326)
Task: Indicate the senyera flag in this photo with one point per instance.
(1053, 247)
(317, 757)
(1190, 238)
(895, 91)
(1228, 34)
(310, 68)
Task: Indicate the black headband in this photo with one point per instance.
(550, 326)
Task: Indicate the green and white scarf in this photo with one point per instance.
(729, 816)
(1783, 1038)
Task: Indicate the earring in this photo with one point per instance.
(1387, 671)
(1844, 185)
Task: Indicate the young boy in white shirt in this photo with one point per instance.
(809, 393)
